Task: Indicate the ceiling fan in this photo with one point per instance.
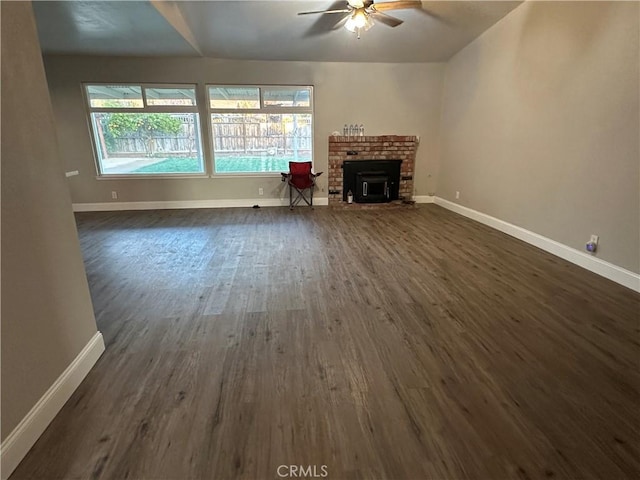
(360, 14)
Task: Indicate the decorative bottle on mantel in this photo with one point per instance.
(361, 130)
(345, 130)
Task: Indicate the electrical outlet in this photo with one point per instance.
(260, 191)
(457, 194)
(114, 195)
(592, 246)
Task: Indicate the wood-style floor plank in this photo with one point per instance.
(400, 344)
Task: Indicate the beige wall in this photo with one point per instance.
(47, 316)
(388, 98)
(540, 125)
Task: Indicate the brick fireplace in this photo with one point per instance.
(384, 147)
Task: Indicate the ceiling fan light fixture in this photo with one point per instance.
(359, 21)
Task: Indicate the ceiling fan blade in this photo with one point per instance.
(386, 19)
(323, 24)
(344, 10)
(386, 6)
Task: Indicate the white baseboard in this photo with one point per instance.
(178, 204)
(423, 198)
(605, 269)
(25, 435)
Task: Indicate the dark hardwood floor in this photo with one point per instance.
(391, 344)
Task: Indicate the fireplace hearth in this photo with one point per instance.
(371, 181)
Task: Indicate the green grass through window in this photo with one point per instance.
(172, 165)
(224, 164)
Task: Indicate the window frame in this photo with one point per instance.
(262, 110)
(144, 109)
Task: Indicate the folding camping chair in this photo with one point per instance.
(300, 178)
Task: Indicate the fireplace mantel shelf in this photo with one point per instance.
(369, 138)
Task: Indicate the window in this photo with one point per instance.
(145, 129)
(260, 129)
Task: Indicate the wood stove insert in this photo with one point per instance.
(371, 181)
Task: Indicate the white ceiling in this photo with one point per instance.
(106, 28)
(259, 30)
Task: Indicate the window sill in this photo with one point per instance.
(148, 177)
(189, 176)
(246, 175)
